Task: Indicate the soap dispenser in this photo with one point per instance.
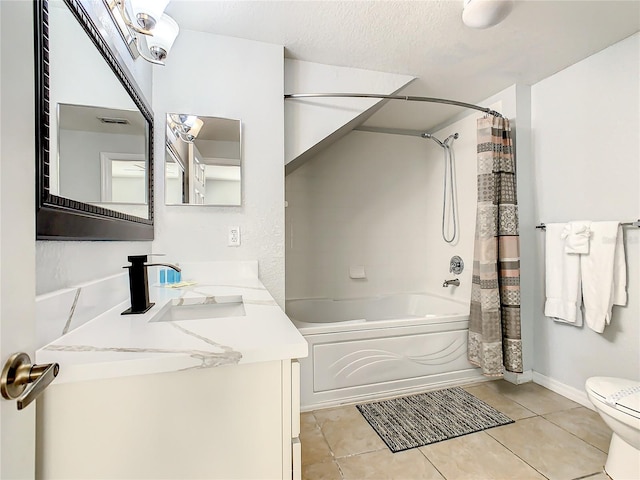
(169, 276)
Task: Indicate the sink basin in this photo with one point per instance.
(182, 309)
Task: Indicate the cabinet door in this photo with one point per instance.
(296, 446)
(296, 451)
(193, 424)
(295, 399)
(292, 458)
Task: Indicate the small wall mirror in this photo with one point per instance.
(203, 160)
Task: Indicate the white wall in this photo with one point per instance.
(375, 200)
(586, 145)
(223, 192)
(81, 172)
(231, 78)
(128, 190)
(222, 149)
(362, 201)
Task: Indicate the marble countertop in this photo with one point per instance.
(114, 345)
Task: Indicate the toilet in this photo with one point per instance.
(618, 402)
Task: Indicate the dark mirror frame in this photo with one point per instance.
(60, 218)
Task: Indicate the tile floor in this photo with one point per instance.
(552, 437)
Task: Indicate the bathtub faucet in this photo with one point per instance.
(455, 282)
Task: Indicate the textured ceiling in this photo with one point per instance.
(426, 39)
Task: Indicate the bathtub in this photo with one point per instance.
(366, 348)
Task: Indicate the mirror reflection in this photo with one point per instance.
(98, 154)
(101, 157)
(203, 160)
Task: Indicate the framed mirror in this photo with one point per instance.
(203, 160)
(94, 132)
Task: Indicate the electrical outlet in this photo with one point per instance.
(234, 237)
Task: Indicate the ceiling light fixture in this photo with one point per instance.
(485, 13)
(149, 19)
(187, 127)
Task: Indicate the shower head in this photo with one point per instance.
(450, 137)
(428, 135)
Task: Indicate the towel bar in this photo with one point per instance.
(542, 226)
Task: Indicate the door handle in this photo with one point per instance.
(24, 382)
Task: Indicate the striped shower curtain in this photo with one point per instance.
(495, 343)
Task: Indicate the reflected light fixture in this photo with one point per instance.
(485, 13)
(147, 18)
(186, 127)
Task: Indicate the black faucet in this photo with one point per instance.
(139, 283)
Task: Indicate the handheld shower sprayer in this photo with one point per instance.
(449, 202)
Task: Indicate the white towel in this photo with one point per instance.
(576, 237)
(604, 274)
(562, 281)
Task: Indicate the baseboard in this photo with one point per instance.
(578, 396)
(518, 378)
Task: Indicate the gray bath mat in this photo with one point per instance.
(417, 420)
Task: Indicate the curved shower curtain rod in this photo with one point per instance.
(394, 97)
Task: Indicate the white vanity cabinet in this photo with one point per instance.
(140, 397)
(230, 422)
